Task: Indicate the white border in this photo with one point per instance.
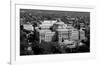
(16, 58)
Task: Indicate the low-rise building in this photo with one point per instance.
(82, 34)
(74, 34)
(28, 27)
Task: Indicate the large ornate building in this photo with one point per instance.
(61, 30)
(45, 34)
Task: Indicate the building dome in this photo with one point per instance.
(60, 25)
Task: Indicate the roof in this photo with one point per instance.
(59, 23)
(62, 29)
(28, 27)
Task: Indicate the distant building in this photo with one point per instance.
(82, 34)
(49, 36)
(46, 24)
(45, 34)
(82, 25)
(60, 29)
(62, 32)
(65, 32)
(74, 34)
(28, 27)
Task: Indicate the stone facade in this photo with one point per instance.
(61, 30)
(45, 34)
